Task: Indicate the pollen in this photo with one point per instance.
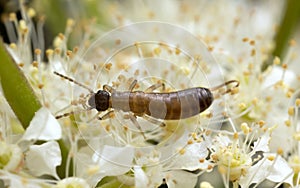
(23, 26)
(209, 167)
(93, 170)
(31, 12)
(271, 158)
(177, 51)
(296, 136)
(125, 127)
(284, 66)
(253, 52)
(37, 51)
(234, 91)
(292, 42)
(35, 64)
(242, 106)
(118, 41)
(287, 123)
(205, 185)
(185, 70)
(255, 101)
(69, 53)
(190, 142)
(210, 48)
(107, 128)
(261, 123)
(276, 61)
(297, 102)
(246, 39)
(12, 17)
(201, 160)
(21, 64)
(157, 51)
(291, 111)
(289, 94)
(61, 36)
(252, 42)
(13, 46)
(245, 128)
(57, 51)
(279, 151)
(182, 151)
(222, 170)
(49, 52)
(40, 86)
(235, 136)
(70, 23)
(108, 66)
(295, 163)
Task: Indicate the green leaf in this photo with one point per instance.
(16, 89)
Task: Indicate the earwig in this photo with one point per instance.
(175, 105)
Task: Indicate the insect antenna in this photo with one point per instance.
(71, 113)
(74, 81)
(79, 84)
(234, 84)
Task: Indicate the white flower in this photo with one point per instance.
(11, 157)
(237, 163)
(271, 167)
(72, 182)
(43, 126)
(43, 159)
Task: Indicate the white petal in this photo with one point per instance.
(276, 170)
(178, 179)
(24, 183)
(72, 182)
(281, 172)
(43, 126)
(289, 76)
(141, 180)
(43, 159)
(190, 159)
(115, 160)
(262, 144)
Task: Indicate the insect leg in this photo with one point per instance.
(107, 115)
(132, 117)
(154, 121)
(108, 88)
(155, 86)
(132, 85)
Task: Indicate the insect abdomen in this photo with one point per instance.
(168, 106)
(178, 105)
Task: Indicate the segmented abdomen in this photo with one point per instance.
(169, 106)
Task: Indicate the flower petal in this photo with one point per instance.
(180, 178)
(115, 160)
(141, 180)
(190, 159)
(43, 126)
(43, 159)
(276, 170)
(262, 144)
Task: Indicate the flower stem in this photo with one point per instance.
(16, 89)
(286, 30)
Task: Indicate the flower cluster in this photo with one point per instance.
(249, 136)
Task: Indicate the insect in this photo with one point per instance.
(152, 105)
